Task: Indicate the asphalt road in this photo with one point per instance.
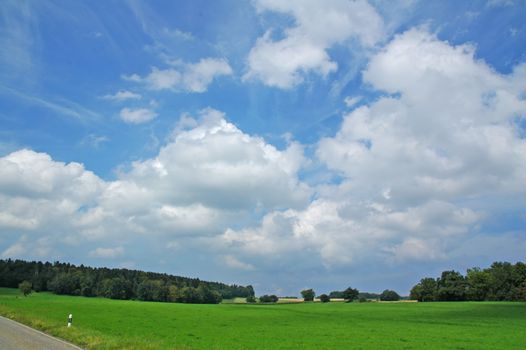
(16, 336)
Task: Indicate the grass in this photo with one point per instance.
(112, 324)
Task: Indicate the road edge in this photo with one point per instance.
(45, 334)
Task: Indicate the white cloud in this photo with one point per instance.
(12, 221)
(41, 196)
(283, 63)
(344, 233)
(107, 253)
(418, 250)
(408, 162)
(449, 134)
(27, 174)
(216, 164)
(136, 78)
(137, 115)
(234, 263)
(352, 101)
(123, 95)
(210, 175)
(420, 169)
(187, 77)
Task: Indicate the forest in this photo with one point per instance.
(65, 278)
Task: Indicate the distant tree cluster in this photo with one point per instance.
(268, 298)
(308, 294)
(368, 296)
(361, 295)
(389, 295)
(502, 281)
(324, 298)
(63, 278)
(349, 295)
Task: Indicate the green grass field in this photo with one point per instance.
(111, 324)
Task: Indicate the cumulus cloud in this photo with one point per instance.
(420, 170)
(186, 77)
(318, 26)
(28, 174)
(209, 176)
(42, 200)
(219, 166)
(412, 163)
(347, 232)
(137, 115)
(449, 134)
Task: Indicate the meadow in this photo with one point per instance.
(113, 324)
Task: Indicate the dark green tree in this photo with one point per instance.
(117, 288)
(65, 283)
(268, 299)
(308, 294)
(208, 296)
(324, 298)
(88, 285)
(519, 281)
(477, 284)
(389, 295)
(452, 286)
(350, 294)
(336, 294)
(190, 295)
(425, 290)
(501, 281)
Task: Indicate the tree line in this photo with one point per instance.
(502, 281)
(65, 278)
(349, 295)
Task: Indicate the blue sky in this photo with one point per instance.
(281, 144)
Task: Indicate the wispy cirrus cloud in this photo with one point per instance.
(59, 105)
(94, 140)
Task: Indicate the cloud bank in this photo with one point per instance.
(421, 170)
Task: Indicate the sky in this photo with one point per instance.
(283, 144)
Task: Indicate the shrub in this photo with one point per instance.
(25, 288)
(268, 299)
(324, 298)
(389, 295)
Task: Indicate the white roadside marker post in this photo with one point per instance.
(70, 320)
